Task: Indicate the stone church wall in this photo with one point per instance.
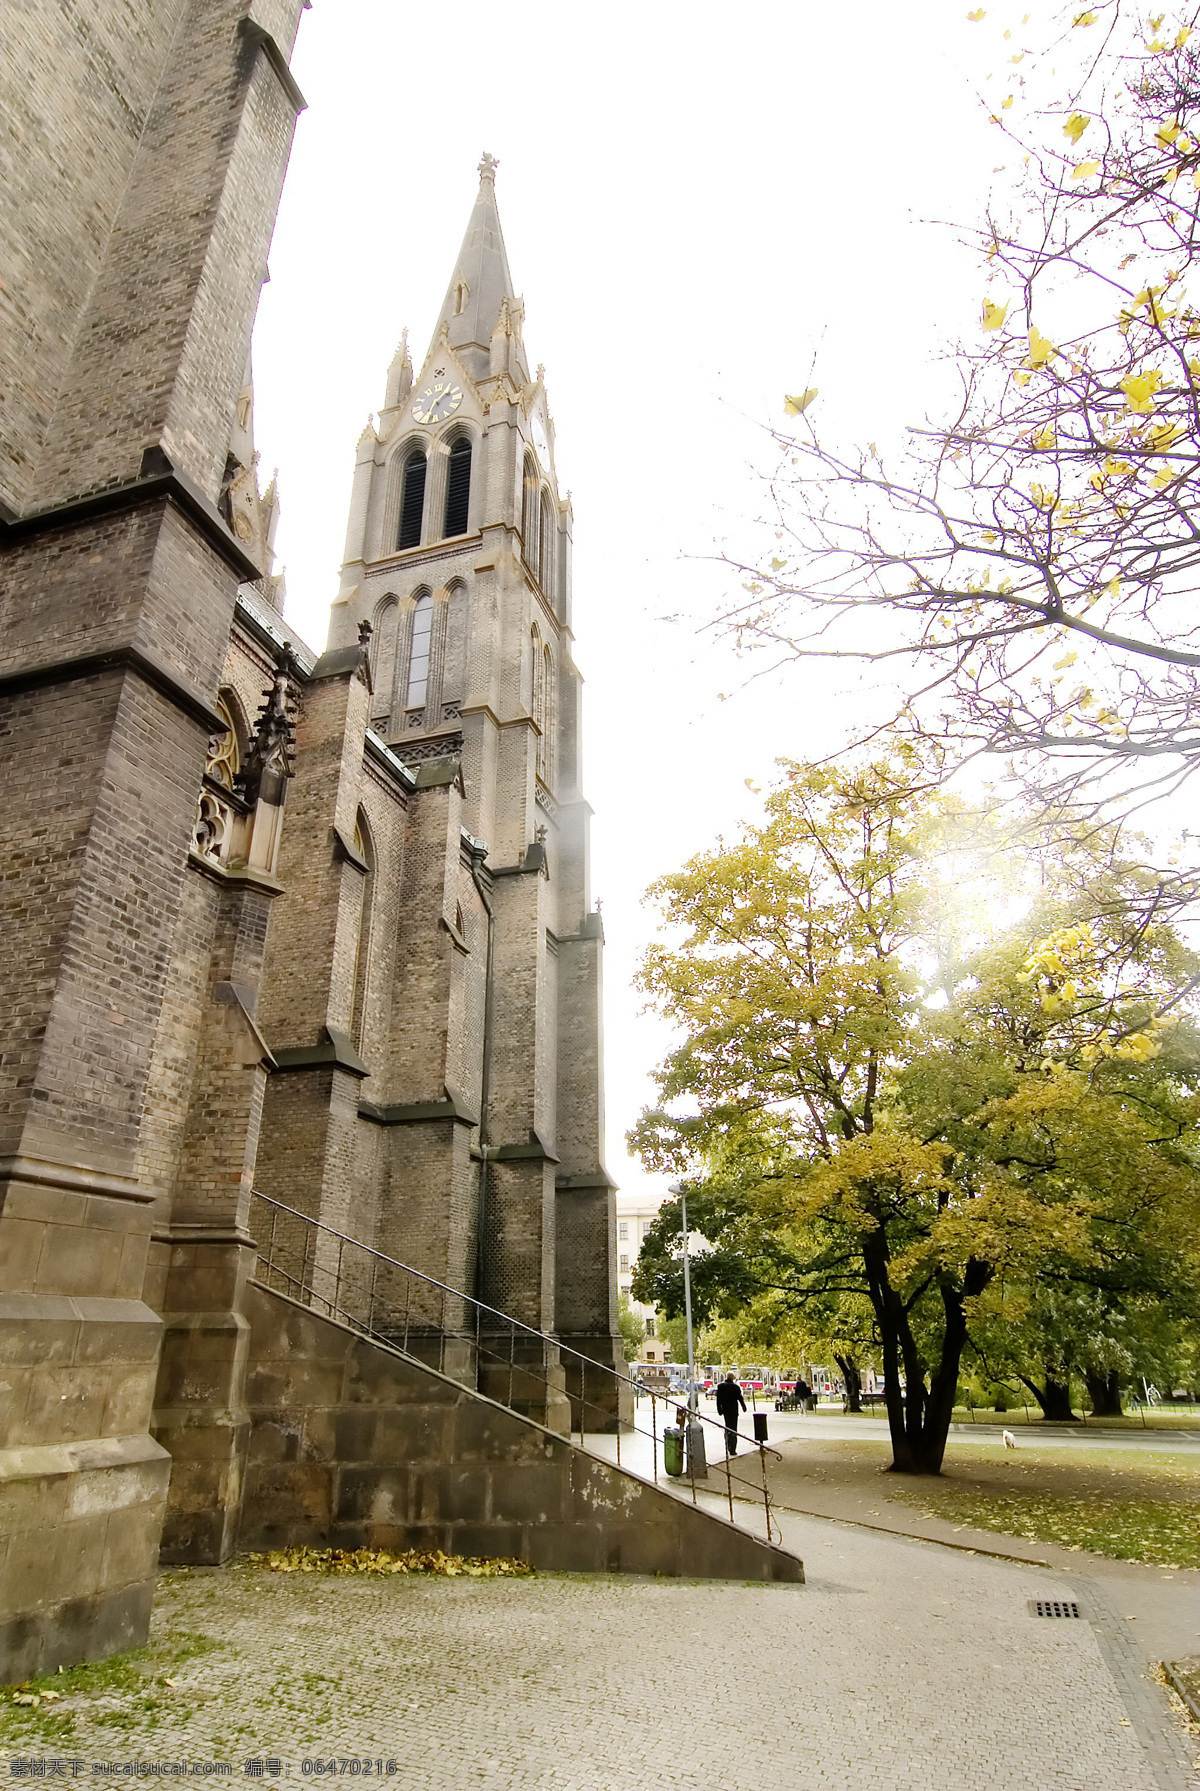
(353, 1447)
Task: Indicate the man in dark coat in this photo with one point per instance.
(729, 1401)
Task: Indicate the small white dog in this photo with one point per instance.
(1010, 1441)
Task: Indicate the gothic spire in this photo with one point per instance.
(481, 282)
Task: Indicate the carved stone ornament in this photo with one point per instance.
(211, 832)
(269, 758)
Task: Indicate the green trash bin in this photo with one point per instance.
(673, 1451)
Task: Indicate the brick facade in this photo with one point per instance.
(377, 1002)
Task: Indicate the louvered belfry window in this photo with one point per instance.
(458, 488)
(412, 501)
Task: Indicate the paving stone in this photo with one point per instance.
(899, 1666)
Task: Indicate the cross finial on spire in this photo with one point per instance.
(488, 166)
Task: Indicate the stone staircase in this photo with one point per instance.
(354, 1443)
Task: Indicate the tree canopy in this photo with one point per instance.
(909, 1089)
(1028, 559)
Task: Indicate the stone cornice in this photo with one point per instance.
(77, 1178)
(148, 665)
(164, 484)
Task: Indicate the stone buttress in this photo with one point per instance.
(136, 282)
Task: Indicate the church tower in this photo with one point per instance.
(458, 555)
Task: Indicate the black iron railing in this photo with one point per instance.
(515, 1364)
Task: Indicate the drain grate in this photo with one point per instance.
(1053, 1607)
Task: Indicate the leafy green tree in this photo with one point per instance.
(632, 1327)
(901, 1100)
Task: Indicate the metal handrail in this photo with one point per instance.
(304, 1289)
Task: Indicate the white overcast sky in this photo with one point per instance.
(697, 201)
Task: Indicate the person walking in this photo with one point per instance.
(729, 1400)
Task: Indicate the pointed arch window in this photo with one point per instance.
(546, 541)
(546, 768)
(362, 959)
(458, 488)
(462, 293)
(529, 487)
(537, 693)
(384, 641)
(412, 500)
(418, 658)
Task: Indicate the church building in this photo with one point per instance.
(305, 1232)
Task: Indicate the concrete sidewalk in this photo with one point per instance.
(899, 1666)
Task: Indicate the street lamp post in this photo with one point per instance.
(697, 1466)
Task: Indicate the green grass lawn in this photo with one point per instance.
(1130, 1505)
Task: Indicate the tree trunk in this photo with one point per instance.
(1054, 1398)
(919, 1420)
(1104, 1392)
(853, 1380)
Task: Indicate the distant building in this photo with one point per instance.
(636, 1213)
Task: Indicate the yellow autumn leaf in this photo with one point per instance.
(1075, 126)
(989, 536)
(993, 315)
(1022, 379)
(1163, 478)
(1139, 389)
(1156, 24)
(1160, 439)
(1041, 349)
(1084, 18)
(1044, 439)
(1060, 665)
(977, 15)
(1006, 103)
(1085, 170)
(797, 406)
(1182, 36)
(1165, 135)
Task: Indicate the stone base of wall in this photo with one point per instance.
(603, 1400)
(88, 1628)
(79, 1530)
(353, 1446)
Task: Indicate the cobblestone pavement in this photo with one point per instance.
(898, 1665)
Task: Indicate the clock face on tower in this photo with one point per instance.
(541, 440)
(437, 401)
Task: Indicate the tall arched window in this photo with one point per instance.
(537, 695)
(458, 488)
(412, 500)
(547, 538)
(529, 487)
(383, 657)
(418, 657)
(362, 960)
(547, 765)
